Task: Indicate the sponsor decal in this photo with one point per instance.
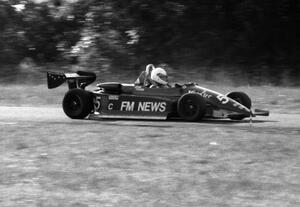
(147, 106)
(240, 106)
(152, 106)
(139, 88)
(97, 103)
(223, 99)
(113, 97)
(127, 106)
(204, 93)
(110, 106)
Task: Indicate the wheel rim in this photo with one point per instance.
(190, 108)
(74, 104)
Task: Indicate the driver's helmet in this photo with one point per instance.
(159, 75)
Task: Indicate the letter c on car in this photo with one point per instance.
(110, 106)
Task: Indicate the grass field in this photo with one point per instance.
(118, 163)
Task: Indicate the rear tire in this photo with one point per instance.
(191, 107)
(77, 103)
(241, 98)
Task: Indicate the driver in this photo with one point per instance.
(159, 78)
(144, 78)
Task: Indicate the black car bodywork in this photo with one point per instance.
(189, 101)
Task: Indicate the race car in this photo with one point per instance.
(189, 101)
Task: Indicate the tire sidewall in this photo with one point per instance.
(241, 98)
(83, 98)
(197, 101)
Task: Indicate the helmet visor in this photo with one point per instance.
(163, 77)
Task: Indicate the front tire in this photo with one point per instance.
(77, 103)
(191, 107)
(241, 98)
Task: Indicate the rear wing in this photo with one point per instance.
(80, 79)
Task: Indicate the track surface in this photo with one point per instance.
(10, 115)
(48, 159)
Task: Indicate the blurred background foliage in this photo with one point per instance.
(249, 37)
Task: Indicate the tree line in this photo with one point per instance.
(130, 33)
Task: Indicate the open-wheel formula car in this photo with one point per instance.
(189, 102)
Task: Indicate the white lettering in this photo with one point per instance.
(113, 97)
(130, 107)
(141, 106)
(223, 99)
(155, 106)
(147, 106)
(205, 95)
(127, 106)
(162, 107)
(123, 105)
(152, 106)
(110, 106)
(97, 103)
